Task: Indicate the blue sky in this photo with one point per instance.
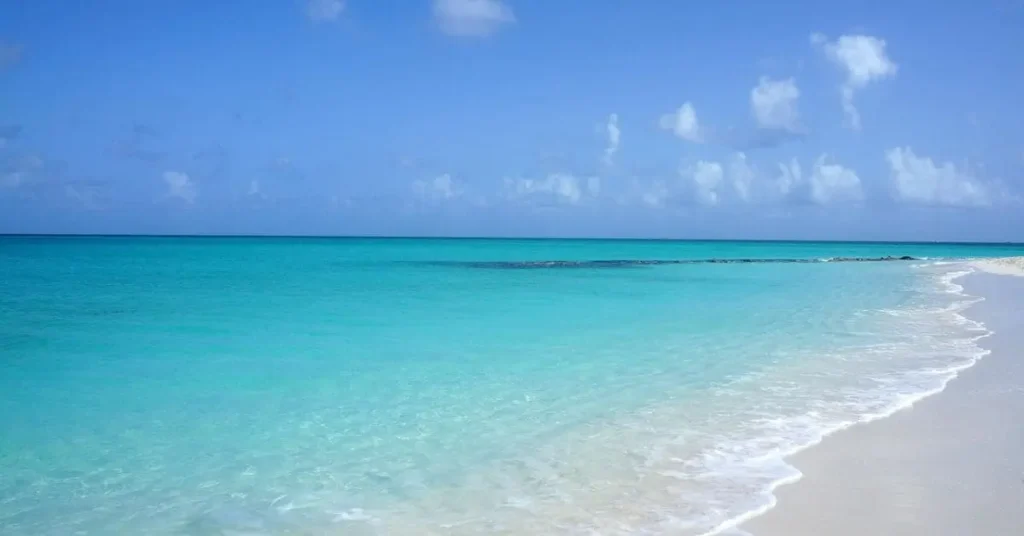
(868, 120)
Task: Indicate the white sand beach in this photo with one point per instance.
(951, 465)
(1001, 265)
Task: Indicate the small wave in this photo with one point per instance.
(906, 400)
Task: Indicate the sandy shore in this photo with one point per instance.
(1001, 265)
(953, 464)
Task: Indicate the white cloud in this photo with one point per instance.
(773, 103)
(324, 10)
(832, 183)
(742, 176)
(864, 59)
(656, 195)
(683, 123)
(614, 135)
(472, 18)
(439, 188)
(560, 187)
(789, 178)
(707, 177)
(181, 186)
(920, 180)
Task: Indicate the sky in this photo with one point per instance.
(606, 118)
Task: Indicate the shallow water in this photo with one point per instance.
(357, 386)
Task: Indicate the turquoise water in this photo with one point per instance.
(216, 386)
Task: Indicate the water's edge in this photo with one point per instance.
(733, 526)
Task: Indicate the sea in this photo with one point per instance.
(360, 386)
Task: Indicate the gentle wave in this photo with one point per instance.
(731, 526)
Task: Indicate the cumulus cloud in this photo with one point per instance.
(324, 10)
(614, 135)
(179, 185)
(828, 183)
(864, 60)
(683, 123)
(921, 180)
(655, 195)
(9, 54)
(831, 183)
(707, 178)
(439, 188)
(472, 18)
(562, 188)
(774, 104)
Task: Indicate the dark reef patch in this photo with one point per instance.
(629, 263)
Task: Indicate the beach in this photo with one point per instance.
(949, 465)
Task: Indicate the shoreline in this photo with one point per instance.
(841, 476)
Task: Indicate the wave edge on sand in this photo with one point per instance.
(1002, 266)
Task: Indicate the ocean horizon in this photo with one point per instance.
(359, 385)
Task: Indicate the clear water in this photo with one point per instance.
(356, 386)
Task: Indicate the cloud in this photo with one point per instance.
(655, 195)
(614, 135)
(920, 180)
(864, 59)
(742, 176)
(324, 10)
(181, 186)
(773, 103)
(9, 54)
(683, 123)
(831, 183)
(790, 177)
(472, 18)
(561, 188)
(706, 177)
(440, 188)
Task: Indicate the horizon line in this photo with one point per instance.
(481, 237)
